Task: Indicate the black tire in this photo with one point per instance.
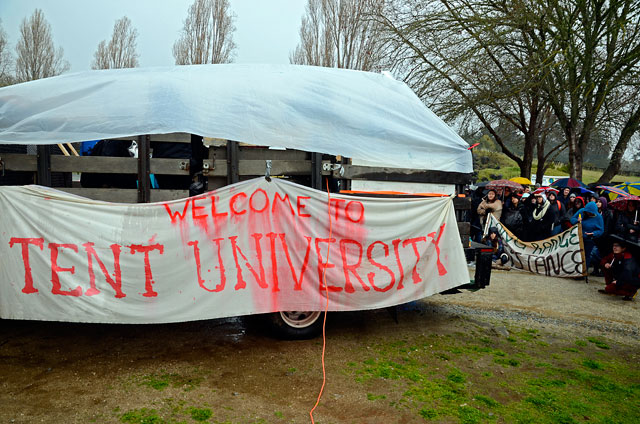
(296, 325)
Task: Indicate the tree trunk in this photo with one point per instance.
(575, 155)
(527, 159)
(621, 146)
(541, 165)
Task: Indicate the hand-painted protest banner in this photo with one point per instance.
(252, 247)
(561, 255)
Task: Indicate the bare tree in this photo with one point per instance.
(457, 57)
(207, 35)
(6, 61)
(519, 61)
(121, 50)
(36, 55)
(341, 34)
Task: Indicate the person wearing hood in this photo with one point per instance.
(603, 245)
(558, 210)
(627, 223)
(592, 227)
(490, 204)
(512, 216)
(578, 204)
(621, 270)
(563, 196)
(543, 218)
(494, 240)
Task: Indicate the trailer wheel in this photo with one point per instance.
(295, 325)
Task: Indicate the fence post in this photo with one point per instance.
(44, 165)
(144, 169)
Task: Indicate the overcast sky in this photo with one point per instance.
(266, 31)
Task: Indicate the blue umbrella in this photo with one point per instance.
(567, 182)
(582, 190)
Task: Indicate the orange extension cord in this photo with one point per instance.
(326, 309)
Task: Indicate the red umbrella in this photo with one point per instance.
(567, 182)
(621, 202)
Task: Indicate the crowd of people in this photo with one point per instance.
(610, 236)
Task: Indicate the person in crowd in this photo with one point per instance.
(527, 189)
(592, 227)
(571, 200)
(603, 245)
(527, 201)
(494, 240)
(621, 270)
(563, 196)
(543, 217)
(476, 225)
(592, 197)
(512, 216)
(490, 204)
(558, 210)
(626, 224)
(578, 204)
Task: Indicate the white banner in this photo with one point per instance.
(252, 247)
(561, 255)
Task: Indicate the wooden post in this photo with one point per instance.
(44, 165)
(144, 166)
(316, 171)
(233, 171)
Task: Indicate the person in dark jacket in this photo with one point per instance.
(543, 217)
(476, 225)
(621, 271)
(592, 227)
(493, 239)
(563, 196)
(603, 245)
(558, 210)
(512, 217)
(626, 224)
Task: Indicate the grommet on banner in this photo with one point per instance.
(267, 172)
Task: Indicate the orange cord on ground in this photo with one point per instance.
(324, 322)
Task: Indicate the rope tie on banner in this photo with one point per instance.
(326, 309)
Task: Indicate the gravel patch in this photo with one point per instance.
(561, 304)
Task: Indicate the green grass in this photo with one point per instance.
(142, 416)
(200, 414)
(599, 343)
(492, 380)
(164, 380)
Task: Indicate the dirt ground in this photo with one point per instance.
(232, 371)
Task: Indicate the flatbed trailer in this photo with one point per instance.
(317, 127)
(227, 162)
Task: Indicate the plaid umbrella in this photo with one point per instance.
(568, 182)
(621, 202)
(631, 188)
(615, 191)
(545, 190)
(499, 185)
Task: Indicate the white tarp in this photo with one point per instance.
(251, 247)
(561, 255)
(340, 112)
